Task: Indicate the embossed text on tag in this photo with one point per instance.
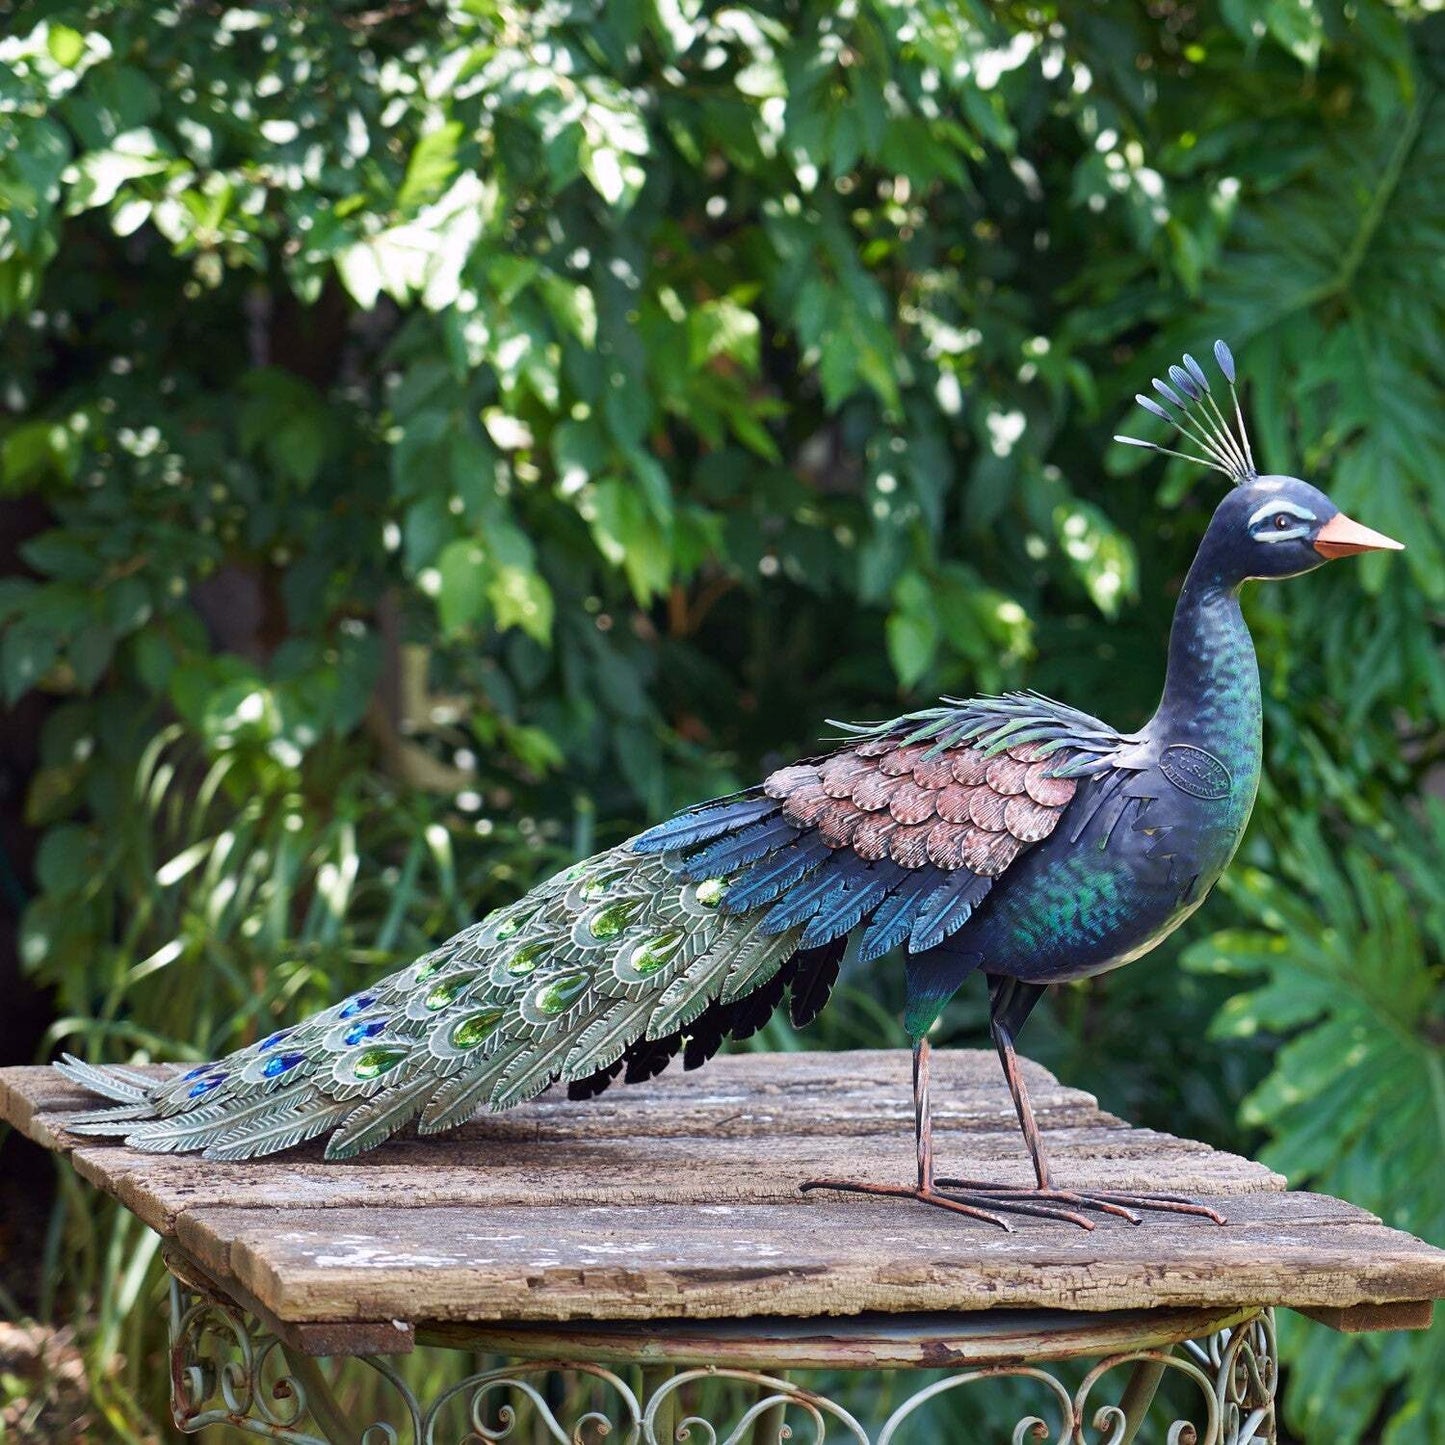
(1195, 771)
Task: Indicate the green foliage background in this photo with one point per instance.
(464, 431)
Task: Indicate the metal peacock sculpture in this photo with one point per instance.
(1012, 837)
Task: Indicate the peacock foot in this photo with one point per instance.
(979, 1199)
(1120, 1203)
(918, 1193)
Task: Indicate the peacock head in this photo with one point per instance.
(1267, 526)
(1275, 526)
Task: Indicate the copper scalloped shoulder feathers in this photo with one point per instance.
(956, 808)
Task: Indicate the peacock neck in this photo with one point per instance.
(1211, 690)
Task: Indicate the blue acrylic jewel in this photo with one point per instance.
(361, 1001)
(206, 1085)
(272, 1040)
(359, 1033)
(280, 1064)
(195, 1073)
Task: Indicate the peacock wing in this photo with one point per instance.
(904, 829)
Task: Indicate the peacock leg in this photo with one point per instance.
(926, 1190)
(923, 1191)
(1012, 1003)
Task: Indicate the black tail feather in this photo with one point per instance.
(814, 976)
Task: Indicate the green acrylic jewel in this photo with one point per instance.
(525, 959)
(444, 993)
(378, 1061)
(559, 995)
(710, 891)
(511, 928)
(427, 970)
(614, 918)
(477, 1029)
(655, 953)
(598, 884)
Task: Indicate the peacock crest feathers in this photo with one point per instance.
(1186, 403)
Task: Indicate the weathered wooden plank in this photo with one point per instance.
(678, 1199)
(750, 1128)
(310, 1337)
(26, 1098)
(838, 1258)
(858, 1342)
(424, 1173)
(35, 1099)
(1362, 1319)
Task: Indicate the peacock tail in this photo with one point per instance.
(598, 970)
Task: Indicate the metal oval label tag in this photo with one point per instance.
(1194, 771)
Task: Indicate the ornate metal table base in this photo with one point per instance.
(226, 1369)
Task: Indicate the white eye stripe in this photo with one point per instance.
(1287, 536)
(1282, 504)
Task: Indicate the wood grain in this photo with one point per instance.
(701, 1262)
(868, 1341)
(678, 1199)
(1366, 1318)
(668, 1170)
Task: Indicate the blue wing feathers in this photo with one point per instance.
(947, 910)
(799, 905)
(833, 886)
(766, 879)
(737, 849)
(700, 825)
(844, 910)
(892, 922)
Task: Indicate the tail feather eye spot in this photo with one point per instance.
(213, 1081)
(656, 953)
(525, 959)
(609, 922)
(600, 884)
(710, 891)
(520, 915)
(476, 1029)
(375, 1062)
(556, 996)
(445, 993)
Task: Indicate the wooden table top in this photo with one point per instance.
(678, 1199)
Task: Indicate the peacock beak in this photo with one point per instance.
(1340, 537)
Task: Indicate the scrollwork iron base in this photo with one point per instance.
(225, 1369)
